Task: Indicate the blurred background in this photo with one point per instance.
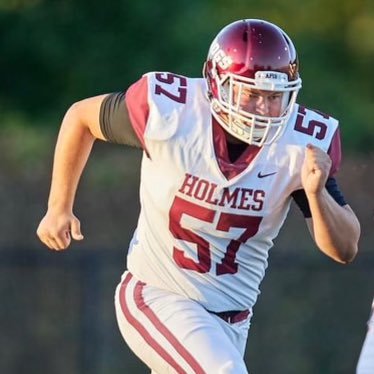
(56, 309)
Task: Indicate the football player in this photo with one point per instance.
(223, 157)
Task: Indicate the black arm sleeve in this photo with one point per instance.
(302, 202)
(113, 120)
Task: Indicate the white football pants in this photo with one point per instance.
(172, 334)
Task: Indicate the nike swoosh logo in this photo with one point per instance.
(259, 175)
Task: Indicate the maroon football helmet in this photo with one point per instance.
(252, 55)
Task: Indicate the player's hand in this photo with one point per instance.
(57, 229)
(315, 169)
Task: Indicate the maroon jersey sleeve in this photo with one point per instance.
(138, 108)
(116, 110)
(335, 153)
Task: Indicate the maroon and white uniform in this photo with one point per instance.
(206, 224)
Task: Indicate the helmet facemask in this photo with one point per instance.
(253, 128)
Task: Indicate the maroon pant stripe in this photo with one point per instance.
(141, 329)
(139, 300)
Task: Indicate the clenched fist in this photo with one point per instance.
(315, 169)
(57, 229)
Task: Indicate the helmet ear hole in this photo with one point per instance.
(224, 88)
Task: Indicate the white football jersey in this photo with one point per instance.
(206, 224)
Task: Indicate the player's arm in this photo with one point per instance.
(335, 228)
(81, 126)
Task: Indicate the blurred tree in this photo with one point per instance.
(56, 52)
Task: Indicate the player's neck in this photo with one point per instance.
(232, 140)
(235, 147)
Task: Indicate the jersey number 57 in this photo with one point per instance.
(203, 264)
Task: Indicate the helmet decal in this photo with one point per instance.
(219, 56)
